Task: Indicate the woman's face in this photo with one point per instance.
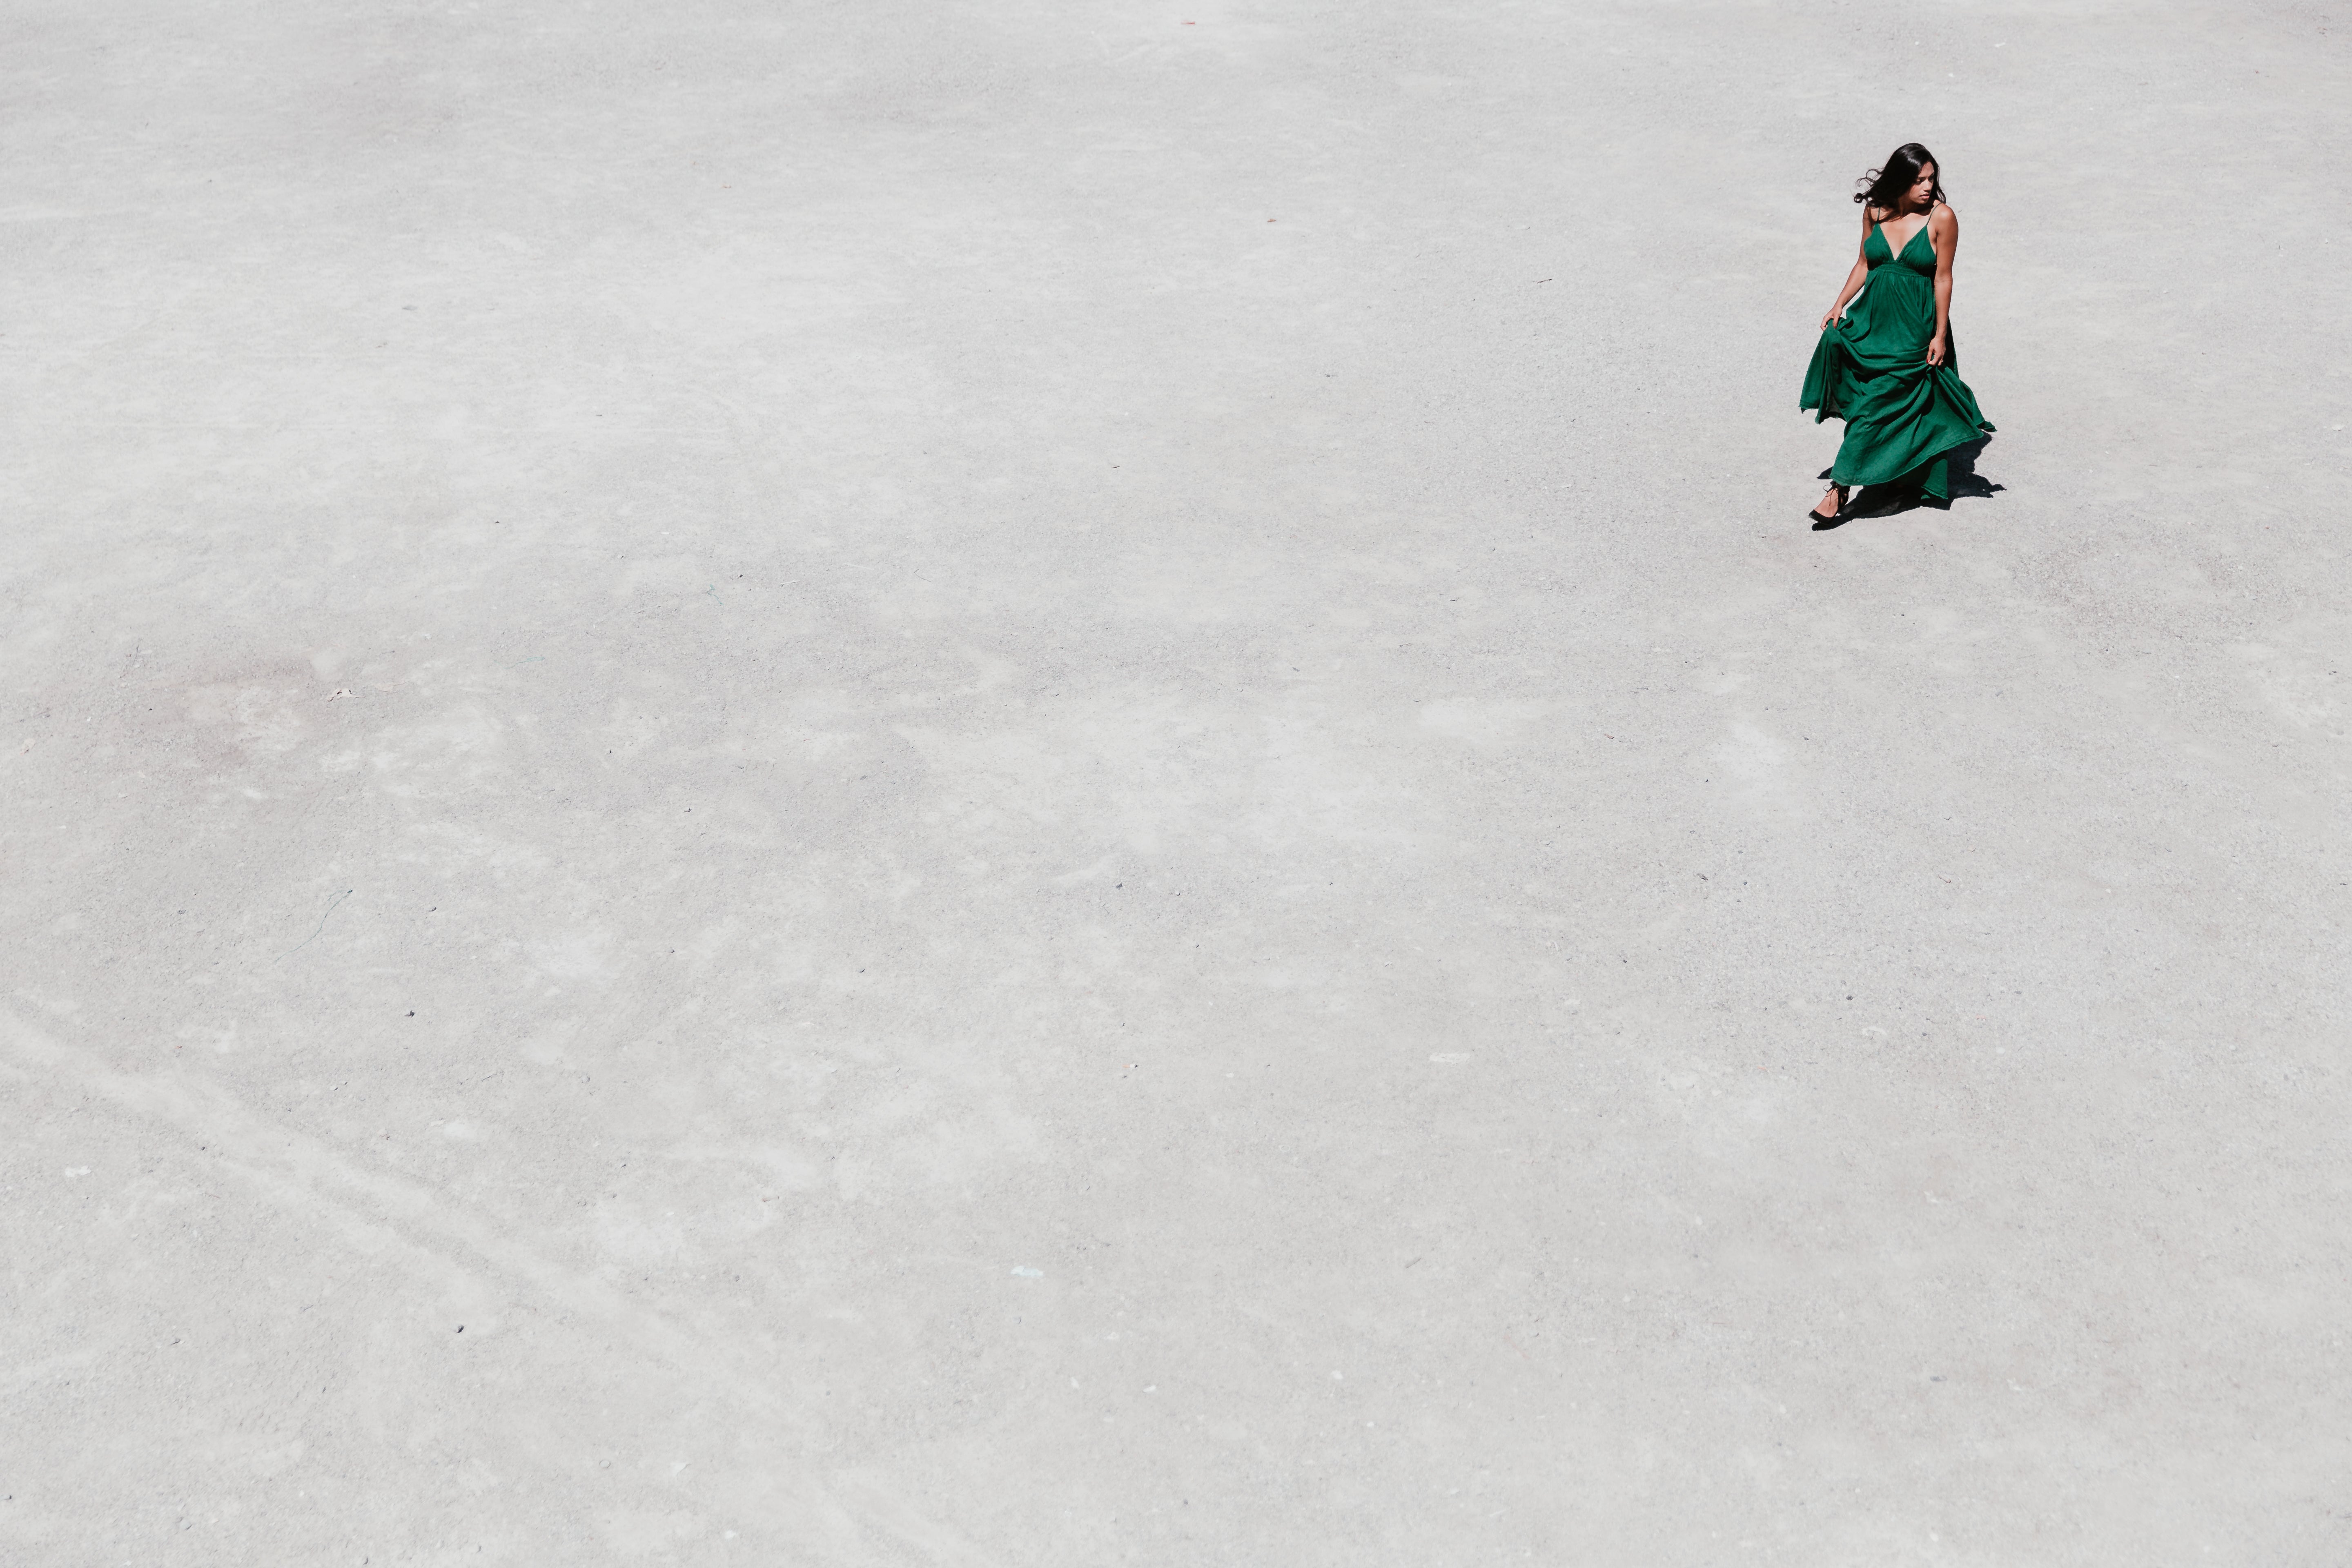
(1923, 189)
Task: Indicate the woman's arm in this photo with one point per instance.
(1944, 233)
(1855, 279)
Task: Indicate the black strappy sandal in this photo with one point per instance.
(1844, 496)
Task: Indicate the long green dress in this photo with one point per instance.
(1903, 419)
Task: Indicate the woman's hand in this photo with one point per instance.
(1936, 351)
(1834, 312)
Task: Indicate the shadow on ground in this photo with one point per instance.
(1890, 500)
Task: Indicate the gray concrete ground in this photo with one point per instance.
(1067, 783)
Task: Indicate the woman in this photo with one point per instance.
(1890, 369)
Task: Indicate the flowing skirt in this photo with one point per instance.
(1903, 418)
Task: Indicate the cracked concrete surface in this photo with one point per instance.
(1068, 784)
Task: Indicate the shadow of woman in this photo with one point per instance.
(1905, 494)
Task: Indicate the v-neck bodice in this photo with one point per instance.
(1914, 256)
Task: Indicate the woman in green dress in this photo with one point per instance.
(1889, 367)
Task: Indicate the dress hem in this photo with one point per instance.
(1930, 474)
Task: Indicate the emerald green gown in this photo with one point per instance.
(1903, 419)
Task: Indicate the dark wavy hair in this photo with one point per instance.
(1887, 187)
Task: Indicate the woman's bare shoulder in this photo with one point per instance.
(1943, 217)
